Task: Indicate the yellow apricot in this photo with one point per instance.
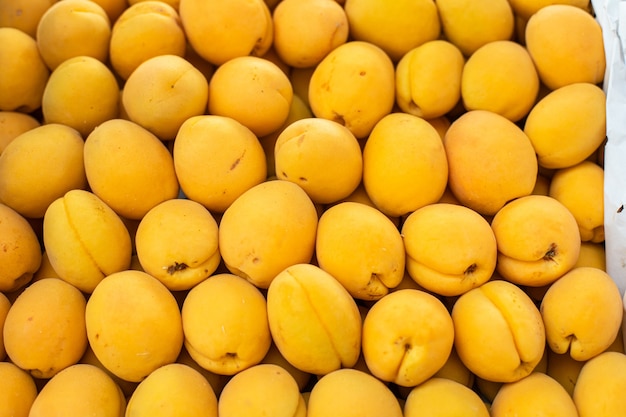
(351, 393)
(582, 313)
(536, 394)
(274, 356)
(216, 381)
(173, 3)
(85, 240)
(491, 161)
(566, 45)
(564, 369)
(90, 358)
(235, 28)
(23, 14)
(23, 74)
(455, 370)
(73, 28)
(113, 8)
(527, 8)
(440, 397)
(44, 331)
(163, 92)
(266, 229)
(40, 166)
(450, 248)
(428, 79)
(225, 324)
(396, 27)
(498, 331)
(13, 124)
(306, 31)
(308, 144)
(80, 390)
(129, 168)
(145, 30)
(353, 85)
(173, 390)
(314, 322)
(133, 324)
(600, 384)
(470, 24)
(21, 252)
(17, 391)
(404, 164)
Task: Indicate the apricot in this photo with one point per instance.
(23, 74)
(164, 91)
(39, 166)
(216, 381)
(567, 125)
(450, 248)
(225, 324)
(23, 14)
(236, 28)
(428, 79)
(440, 397)
(404, 164)
(306, 145)
(176, 242)
(21, 252)
(274, 356)
(582, 313)
(527, 8)
(44, 331)
(5, 305)
(407, 337)
(538, 240)
(362, 248)
(314, 322)
(491, 161)
(133, 324)
(90, 358)
(131, 186)
(266, 229)
(17, 390)
(113, 8)
(598, 389)
(566, 45)
(592, 254)
(395, 27)
(353, 85)
(73, 28)
(564, 369)
(173, 3)
(13, 124)
(173, 390)
(85, 240)
(145, 30)
(80, 389)
(269, 391)
(350, 393)
(455, 370)
(498, 332)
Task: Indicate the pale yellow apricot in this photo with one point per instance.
(40, 166)
(23, 74)
(536, 394)
(600, 384)
(21, 254)
(470, 24)
(73, 28)
(353, 85)
(407, 337)
(538, 240)
(351, 393)
(235, 28)
(173, 390)
(306, 31)
(404, 164)
(491, 161)
(450, 248)
(85, 240)
(527, 8)
(129, 168)
(80, 389)
(396, 27)
(567, 125)
(44, 331)
(428, 79)
(13, 124)
(498, 332)
(592, 254)
(440, 397)
(266, 229)
(582, 313)
(17, 390)
(225, 324)
(269, 391)
(145, 30)
(314, 322)
(566, 45)
(5, 305)
(23, 14)
(263, 93)
(163, 92)
(307, 145)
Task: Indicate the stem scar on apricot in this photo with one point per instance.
(550, 253)
(175, 267)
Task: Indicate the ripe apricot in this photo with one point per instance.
(440, 397)
(23, 14)
(17, 390)
(599, 386)
(13, 124)
(527, 8)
